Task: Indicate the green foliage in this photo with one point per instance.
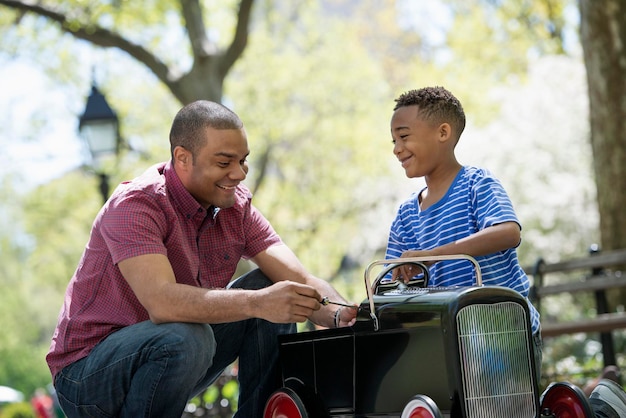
(491, 43)
(17, 410)
(309, 167)
(315, 91)
(60, 230)
(22, 341)
(219, 399)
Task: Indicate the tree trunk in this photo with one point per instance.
(603, 36)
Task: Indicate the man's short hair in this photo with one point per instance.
(191, 121)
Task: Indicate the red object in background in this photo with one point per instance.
(42, 404)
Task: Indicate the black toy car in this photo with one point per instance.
(422, 352)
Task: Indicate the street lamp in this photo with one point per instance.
(99, 127)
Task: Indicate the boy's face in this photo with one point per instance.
(416, 142)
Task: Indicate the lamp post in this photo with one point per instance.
(99, 127)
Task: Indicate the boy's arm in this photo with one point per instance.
(490, 240)
(499, 237)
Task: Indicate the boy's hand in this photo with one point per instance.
(407, 272)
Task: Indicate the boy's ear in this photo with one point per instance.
(445, 132)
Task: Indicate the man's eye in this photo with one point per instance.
(222, 164)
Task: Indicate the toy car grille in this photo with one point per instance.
(496, 364)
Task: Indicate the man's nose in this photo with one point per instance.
(239, 173)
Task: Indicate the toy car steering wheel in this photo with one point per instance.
(422, 281)
(395, 262)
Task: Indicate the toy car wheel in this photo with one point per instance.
(421, 406)
(285, 403)
(565, 400)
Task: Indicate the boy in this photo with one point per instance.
(462, 209)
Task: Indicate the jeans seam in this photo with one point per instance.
(166, 356)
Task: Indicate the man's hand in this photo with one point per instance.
(286, 301)
(346, 316)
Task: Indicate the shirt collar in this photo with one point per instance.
(185, 202)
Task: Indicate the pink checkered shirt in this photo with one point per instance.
(152, 214)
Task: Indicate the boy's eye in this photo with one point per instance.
(402, 138)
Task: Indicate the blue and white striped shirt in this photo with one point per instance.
(474, 201)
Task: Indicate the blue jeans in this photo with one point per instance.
(149, 370)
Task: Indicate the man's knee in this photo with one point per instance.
(252, 280)
(195, 335)
(194, 343)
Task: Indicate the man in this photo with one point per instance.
(149, 318)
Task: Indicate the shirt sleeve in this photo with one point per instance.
(492, 204)
(133, 225)
(395, 243)
(398, 239)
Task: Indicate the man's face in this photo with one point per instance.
(415, 142)
(219, 167)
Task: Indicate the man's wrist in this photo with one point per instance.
(337, 317)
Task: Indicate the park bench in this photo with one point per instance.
(596, 274)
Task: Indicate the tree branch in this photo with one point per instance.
(204, 80)
(263, 164)
(97, 36)
(240, 40)
(200, 43)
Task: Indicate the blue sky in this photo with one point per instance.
(29, 98)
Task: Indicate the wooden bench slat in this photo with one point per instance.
(592, 284)
(603, 259)
(602, 323)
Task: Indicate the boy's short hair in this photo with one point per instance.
(437, 105)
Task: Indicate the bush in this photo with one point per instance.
(17, 410)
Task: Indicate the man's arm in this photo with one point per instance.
(152, 280)
(279, 263)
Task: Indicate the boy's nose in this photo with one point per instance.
(397, 149)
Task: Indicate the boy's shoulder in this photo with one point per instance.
(474, 172)
(473, 176)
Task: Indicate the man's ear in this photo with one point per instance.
(182, 157)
